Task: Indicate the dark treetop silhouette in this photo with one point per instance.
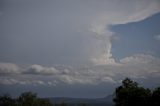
(130, 94)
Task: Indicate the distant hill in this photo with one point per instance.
(106, 101)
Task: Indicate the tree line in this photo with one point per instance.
(131, 94)
(29, 99)
(25, 99)
(127, 94)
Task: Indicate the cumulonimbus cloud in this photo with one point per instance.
(100, 25)
(106, 70)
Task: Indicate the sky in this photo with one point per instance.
(78, 48)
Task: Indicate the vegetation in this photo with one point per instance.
(29, 99)
(25, 99)
(130, 94)
(6, 100)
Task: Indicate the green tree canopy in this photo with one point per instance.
(25, 99)
(131, 94)
(28, 99)
(6, 100)
(156, 97)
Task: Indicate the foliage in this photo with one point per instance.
(82, 104)
(28, 99)
(130, 94)
(156, 97)
(63, 104)
(6, 100)
(25, 99)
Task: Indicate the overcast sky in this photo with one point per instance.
(78, 48)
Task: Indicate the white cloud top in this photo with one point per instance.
(128, 11)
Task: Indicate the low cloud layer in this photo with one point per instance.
(38, 69)
(136, 66)
(9, 68)
(71, 42)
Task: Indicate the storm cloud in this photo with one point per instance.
(70, 42)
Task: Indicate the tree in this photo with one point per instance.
(6, 100)
(31, 99)
(130, 94)
(44, 102)
(82, 104)
(63, 104)
(128, 83)
(27, 99)
(156, 97)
